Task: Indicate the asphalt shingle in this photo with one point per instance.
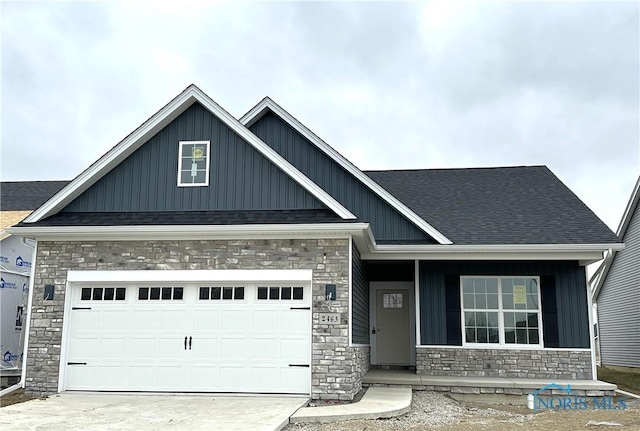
(27, 195)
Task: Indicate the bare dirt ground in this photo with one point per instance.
(431, 410)
(15, 397)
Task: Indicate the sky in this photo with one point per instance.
(390, 85)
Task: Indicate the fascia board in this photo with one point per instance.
(257, 111)
(159, 232)
(152, 126)
(629, 210)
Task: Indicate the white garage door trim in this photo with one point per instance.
(79, 279)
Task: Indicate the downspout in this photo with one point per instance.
(23, 377)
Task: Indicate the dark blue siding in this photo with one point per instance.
(565, 322)
(360, 300)
(240, 177)
(386, 222)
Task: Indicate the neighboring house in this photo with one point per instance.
(17, 200)
(616, 290)
(209, 254)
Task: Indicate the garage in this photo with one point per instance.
(220, 333)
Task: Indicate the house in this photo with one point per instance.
(209, 254)
(616, 291)
(17, 200)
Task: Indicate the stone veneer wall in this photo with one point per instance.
(335, 365)
(535, 364)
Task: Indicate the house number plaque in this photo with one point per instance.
(330, 318)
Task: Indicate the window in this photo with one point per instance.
(235, 293)
(102, 294)
(193, 163)
(160, 293)
(501, 310)
(280, 293)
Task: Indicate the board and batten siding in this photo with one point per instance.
(240, 178)
(386, 222)
(619, 303)
(564, 299)
(360, 299)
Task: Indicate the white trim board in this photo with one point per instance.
(248, 275)
(267, 104)
(153, 125)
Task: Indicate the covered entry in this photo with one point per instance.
(212, 335)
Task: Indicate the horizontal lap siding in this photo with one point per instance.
(360, 300)
(440, 307)
(619, 303)
(386, 222)
(239, 177)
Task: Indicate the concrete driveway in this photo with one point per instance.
(84, 411)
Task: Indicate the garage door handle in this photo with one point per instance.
(81, 308)
(300, 308)
(299, 365)
(76, 363)
(189, 343)
(185, 343)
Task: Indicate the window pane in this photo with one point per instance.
(521, 320)
(510, 336)
(482, 335)
(533, 336)
(200, 177)
(185, 177)
(166, 293)
(108, 293)
(227, 293)
(285, 293)
(468, 300)
(470, 319)
(297, 293)
(521, 336)
(216, 292)
(86, 294)
(238, 293)
(532, 320)
(262, 293)
(481, 319)
(481, 301)
(492, 320)
(155, 293)
(143, 293)
(204, 293)
(480, 285)
(470, 335)
(97, 293)
(532, 302)
(492, 285)
(177, 292)
(507, 285)
(492, 301)
(120, 291)
(467, 285)
(274, 293)
(493, 335)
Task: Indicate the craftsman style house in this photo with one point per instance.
(209, 254)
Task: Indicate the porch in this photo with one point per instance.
(482, 385)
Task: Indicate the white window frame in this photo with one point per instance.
(501, 335)
(181, 145)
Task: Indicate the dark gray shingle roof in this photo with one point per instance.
(227, 217)
(514, 205)
(27, 195)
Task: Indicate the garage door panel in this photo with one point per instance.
(237, 345)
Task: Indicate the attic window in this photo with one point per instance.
(193, 164)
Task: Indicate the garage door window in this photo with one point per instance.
(280, 293)
(103, 293)
(221, 293)
(160, 293)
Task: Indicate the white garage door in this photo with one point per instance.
(189, 337)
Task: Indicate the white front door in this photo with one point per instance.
(190, 337)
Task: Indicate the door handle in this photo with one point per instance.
(189, 343)
(373, 330)
(185, 343)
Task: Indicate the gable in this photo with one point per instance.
(240, 178)
(386, 222)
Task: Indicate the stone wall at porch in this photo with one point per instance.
(335, 366)
(534, 364)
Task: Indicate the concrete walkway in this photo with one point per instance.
(90, 411)
(377, 402)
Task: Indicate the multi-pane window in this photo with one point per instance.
(501, 310)
(103, 293)
(160, 293)
(236, 293)
(193, 163)
(280, 293)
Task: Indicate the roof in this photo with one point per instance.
(153, 125)
(177, 218)
(599, 277)
(27, 195)
(509, 205)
